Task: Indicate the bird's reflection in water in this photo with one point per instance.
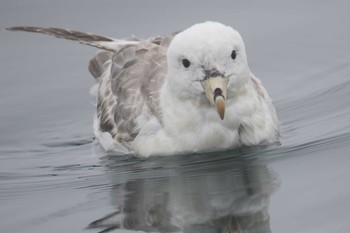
(204, 193)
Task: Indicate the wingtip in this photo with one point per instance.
(14, 28)
(23, 28)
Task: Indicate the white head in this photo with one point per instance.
(205, 58)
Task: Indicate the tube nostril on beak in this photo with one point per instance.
(217, 92)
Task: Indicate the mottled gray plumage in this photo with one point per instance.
(130, 91)
(149, 107)
(96, 65)
(82, 37)
(130, 75)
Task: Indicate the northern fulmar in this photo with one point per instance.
(190, 91)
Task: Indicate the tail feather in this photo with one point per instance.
(91, 39)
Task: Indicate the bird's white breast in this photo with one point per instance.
(191, 125)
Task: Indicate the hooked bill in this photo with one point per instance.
(215, 89)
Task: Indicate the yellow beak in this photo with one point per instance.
(216, 90)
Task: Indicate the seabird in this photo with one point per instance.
(190, 91)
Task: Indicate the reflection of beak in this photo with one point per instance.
(215, 88)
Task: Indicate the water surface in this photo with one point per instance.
(54, 177)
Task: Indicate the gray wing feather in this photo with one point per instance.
(63, 33)
(98, 64)
(132, 89)
(91, 39)
(130, 76)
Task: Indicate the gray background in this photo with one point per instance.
(300, 49)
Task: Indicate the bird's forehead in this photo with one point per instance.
(203, 50)
(207, 38)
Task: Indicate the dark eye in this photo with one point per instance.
(186, 63)
(233, 54)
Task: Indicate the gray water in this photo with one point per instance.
(54, 177)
